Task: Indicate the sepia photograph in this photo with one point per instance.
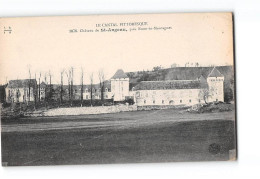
(106, 89)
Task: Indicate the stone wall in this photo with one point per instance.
(89, 110)
(159, 107)
(168, 97)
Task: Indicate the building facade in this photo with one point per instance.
(21, 91)
(145, 93)
(180, 92)
(120, 86)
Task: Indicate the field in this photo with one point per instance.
(127, 137)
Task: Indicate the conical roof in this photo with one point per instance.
(119, 74)
(215, 73)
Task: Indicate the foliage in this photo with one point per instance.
(228, 95)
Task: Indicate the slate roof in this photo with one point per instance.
(22, 83)
(119, 74)
(215, 73)
(43, 85)
(170, 84)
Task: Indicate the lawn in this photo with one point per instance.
(128, 137)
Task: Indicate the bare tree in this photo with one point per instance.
(205, 93)
(82, 81)
(45, 89)
(91, 88)
(50, 87)
(35, 91)
(39, 87)
(101, 77)
(68, 74)
(71, 86)
(30, 76)
(61, 86)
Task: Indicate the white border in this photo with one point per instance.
(247, 39)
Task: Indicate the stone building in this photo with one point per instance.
(18, 91)
(180, 92)
(202, 89)
(120, 85)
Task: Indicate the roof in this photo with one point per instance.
(43, 85)
(170, 84)
(119, 74)
(215, 73)
(22, 83)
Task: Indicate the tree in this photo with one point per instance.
(228, 95)
(35, 92)
(50, 87)
(91, 88)
(101, 77)
(205, 93)
(68, 74)
(29, 85)
(157, 68)
(45, 90)
(187, 64)
(39, 87)
(81, 91)
(71, 86)
(61, 86)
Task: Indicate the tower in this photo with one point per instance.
(120, 85)
(215, 82)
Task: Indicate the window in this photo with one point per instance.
(171, 102)
(86, 90)
(180, 101)
(86, 96)
(162, 101)
(144, 101)
(106, 90)
(106, 96)
(190, 100)
(199, 100)
(153, 101)
(216, 100)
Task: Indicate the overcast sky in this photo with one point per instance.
(44, 44)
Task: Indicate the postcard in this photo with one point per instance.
(105, 89)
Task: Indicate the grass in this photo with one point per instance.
(143, 136)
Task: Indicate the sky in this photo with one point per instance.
(45, 45)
